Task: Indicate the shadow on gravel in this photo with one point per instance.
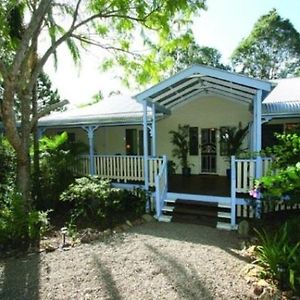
(107, 279)
(20, 278)
(197, 234)
(186, 281)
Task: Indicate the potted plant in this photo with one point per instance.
(232, 138)
(180, 141)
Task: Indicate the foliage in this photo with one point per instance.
(57, 160)
(180, 141)
(284, 178)
(272, 50)
(233, 139)
(97, 202)
(287, 151)
(279, 254)
(15, 224)
(188, 52)
(7, 164)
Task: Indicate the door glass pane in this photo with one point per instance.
(193, 141)
(208, 150)
(131, 141)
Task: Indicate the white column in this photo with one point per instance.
(90, 132)
(145, 137)
(153, 131)
(233, 194)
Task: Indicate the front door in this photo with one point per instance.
(208, 150)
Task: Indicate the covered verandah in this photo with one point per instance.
(186, 86)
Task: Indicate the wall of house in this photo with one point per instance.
(205, 112)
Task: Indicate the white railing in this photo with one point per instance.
(246, 172)
(161, 187)
(121, 167)
(243, 173)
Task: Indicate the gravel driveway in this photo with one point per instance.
(150, 261)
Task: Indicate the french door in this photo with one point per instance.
(208, 150)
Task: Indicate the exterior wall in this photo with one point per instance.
(202, 113)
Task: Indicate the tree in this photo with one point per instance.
(272, 50)
(110, 24)
(196, 54)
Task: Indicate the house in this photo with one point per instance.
(207, 99)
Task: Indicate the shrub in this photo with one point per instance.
(16, 226)
(57, 159)
(279, 255)
(7, 166)
(95, 201)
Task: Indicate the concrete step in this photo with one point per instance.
(224, 226)
(164, 218)
(225, 215)
(168, 208)
(224, 205)
(170, 200)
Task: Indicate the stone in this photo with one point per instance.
(243, 228)
(262, 283)
(258, 289)
(125, 227)
(129, 223)
(265, 295)
(147, 218)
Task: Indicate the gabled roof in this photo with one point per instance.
(202, 80)
(118, 109)
(284, 100)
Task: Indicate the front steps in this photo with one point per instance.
(197, 212)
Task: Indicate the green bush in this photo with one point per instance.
(16, 226)
(57, 159)
(7, 166)
(97, 203)
(279, 255)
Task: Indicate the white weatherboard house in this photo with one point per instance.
(208, 100)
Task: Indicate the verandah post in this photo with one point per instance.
(90, 131)
(258, 143)
(233, 193)
(153, 130)
(145, 140)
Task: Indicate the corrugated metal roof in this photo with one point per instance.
(286, 90)
(117, 109)
(284, 99)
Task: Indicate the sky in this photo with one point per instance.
(222, 26)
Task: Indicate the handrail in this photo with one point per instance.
(161, 187)
(121, 167)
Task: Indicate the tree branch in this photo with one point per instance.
(47, 110)
(68, 34)
(36, 21)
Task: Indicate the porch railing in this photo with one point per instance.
(243, 173)
(121, 167)
(246, 172)
(161, 187)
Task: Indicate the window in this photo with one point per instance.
(193, 141)
(223, 141)
(135, 142)
(131, 141)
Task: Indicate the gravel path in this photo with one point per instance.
(150, 261)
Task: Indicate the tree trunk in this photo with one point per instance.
(23, 178)
(36, 152)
